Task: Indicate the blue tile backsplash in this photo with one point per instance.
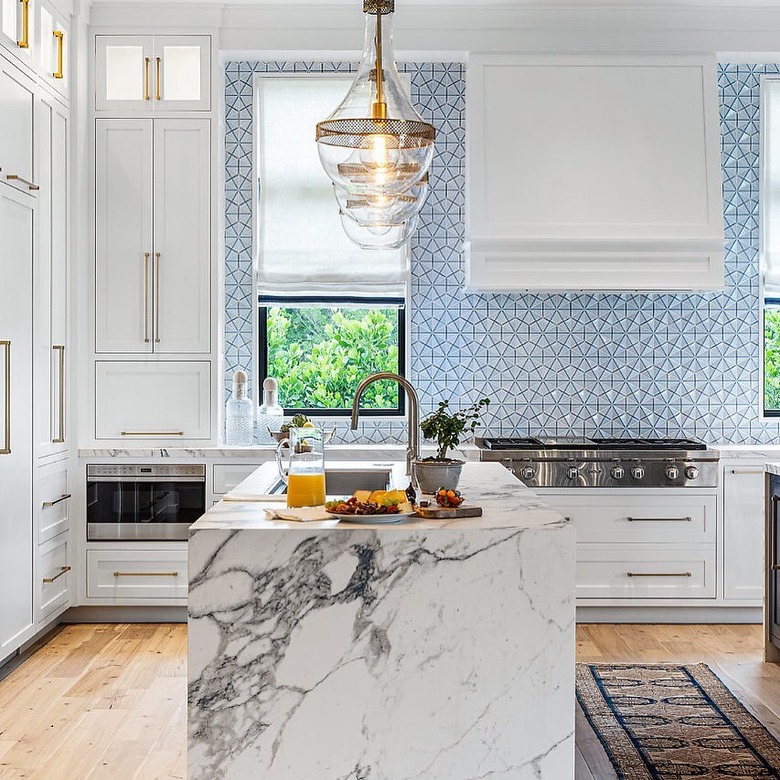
(593, 364)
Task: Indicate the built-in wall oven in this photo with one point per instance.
(144, 503)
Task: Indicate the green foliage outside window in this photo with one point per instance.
(772, 359)
(320, 355)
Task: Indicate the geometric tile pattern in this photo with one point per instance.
(598, 364)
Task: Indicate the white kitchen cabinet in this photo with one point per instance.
(51, 279)
(593, 172)
(165, 400)
(53, 36)
(137, 574)
(659, 519)
(54, 578)
(148, 74)
(153, 240)
(53, 496)
(743, 531)
(17, 105)
(182, 236)
(645, 572)
(17, 28)
(17, 229)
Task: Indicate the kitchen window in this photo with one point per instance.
(770, 244)
(329, 312)
(320, 349)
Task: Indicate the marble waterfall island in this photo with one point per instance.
(425, 650)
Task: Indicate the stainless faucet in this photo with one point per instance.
(412, 412)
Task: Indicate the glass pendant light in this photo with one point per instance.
(377, 236)
(375, 210)
(375, 147)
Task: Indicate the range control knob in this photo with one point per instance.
(527, 472)
(691, 472)
(572, 472)
(617, 472)
(672, 472)
(637, 472)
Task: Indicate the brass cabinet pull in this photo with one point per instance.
(60, 438)
(146, 574)
(63, 570)
(146, 78)
(15, 177)
(25, 42)
(59, 35)
(659, 519)
(7, 443)
(146, 297)
(658, 574)
(151, 433)
(157, 74)
(157, 298)
(63, 497)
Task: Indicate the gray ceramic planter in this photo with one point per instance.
(432, 475)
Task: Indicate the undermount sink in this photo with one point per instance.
(344, 482)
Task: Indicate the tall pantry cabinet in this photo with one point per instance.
(153, 238)
(34, 335)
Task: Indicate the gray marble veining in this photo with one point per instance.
(420, 650)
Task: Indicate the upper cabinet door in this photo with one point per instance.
(17, 105)
(593, 172)
(182, 73)
(16, 28)
(182, 235)
(152, 74)
(123, 235)
(124, 76)
(53, 48)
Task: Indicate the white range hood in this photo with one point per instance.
(593, 172)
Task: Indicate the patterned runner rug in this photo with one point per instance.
(673, 723)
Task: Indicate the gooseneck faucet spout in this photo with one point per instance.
(412, 412)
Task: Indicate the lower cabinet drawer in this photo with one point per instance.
(672, 519)
(227, 477)
(53, 501)
(146, 574)
(53, 577)
(646, 571)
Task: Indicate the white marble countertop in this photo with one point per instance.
(506, 503)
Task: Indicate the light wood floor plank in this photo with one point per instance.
(106, 702)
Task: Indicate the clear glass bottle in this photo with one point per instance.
(270, 416)
(239, 427)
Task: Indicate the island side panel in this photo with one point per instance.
(381, 655)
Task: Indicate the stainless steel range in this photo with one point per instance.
(580, 462)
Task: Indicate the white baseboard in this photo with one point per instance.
(112, 614)
(670, 615)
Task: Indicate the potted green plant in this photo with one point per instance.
(445, 427)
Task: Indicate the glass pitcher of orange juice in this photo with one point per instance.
(305, 472)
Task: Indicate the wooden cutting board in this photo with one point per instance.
(448, 512)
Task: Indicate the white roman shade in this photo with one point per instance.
(770, 195)
(301, 246)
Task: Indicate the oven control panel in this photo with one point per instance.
(166, 471)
